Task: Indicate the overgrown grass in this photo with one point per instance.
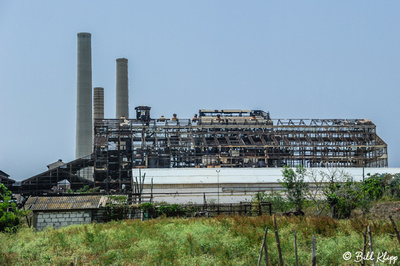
(223, 240)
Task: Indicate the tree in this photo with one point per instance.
(293, 181)
(9, 214)
(315, 193)
(343, 194)
(394, 186)
(378, 186)
(374, 186)
(346, 198)
(334, 178)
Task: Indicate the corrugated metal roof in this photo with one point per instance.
(65, 202)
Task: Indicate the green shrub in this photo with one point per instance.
(343, 198)
(173, 210)
(149, 209)
(374, 186)
(279, 203)
(10, 216)
(394, 186)
(114, 212)
(86, 190)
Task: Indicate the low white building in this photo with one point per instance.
(227, 185)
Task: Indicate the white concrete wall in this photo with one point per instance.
(183, 185)
(61, 219)
(238, 175)
(195, 195)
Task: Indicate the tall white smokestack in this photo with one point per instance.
(122, 105)
(84, 97)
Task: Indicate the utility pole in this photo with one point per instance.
(218, 182)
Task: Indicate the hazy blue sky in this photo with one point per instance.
(296, 59)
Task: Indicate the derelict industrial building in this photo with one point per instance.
(109, 152)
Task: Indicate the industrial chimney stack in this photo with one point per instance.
(122, 97)
(98, 103)
(84, 97)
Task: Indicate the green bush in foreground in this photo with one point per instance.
(174, 210)
(223, 240)
(10, 216)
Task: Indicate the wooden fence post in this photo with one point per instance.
(265, 248)
(364, 246)
(370, 245)
(278, 243)
(313, 254)
(295, 247)
(395, 228)
(151, 193)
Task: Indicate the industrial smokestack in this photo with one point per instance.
(84, 97)
(122, 106)
(98, 103)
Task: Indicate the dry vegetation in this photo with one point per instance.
(233, 240)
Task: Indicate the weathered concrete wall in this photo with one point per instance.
(61, 219)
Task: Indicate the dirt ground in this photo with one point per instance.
(383, 210)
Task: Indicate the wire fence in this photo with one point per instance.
(150, 211)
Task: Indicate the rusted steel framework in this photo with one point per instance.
(78, 173)
(217, 138)
(120, 145)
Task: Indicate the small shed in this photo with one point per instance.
(60, 211)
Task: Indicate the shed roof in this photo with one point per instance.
(35, 203)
